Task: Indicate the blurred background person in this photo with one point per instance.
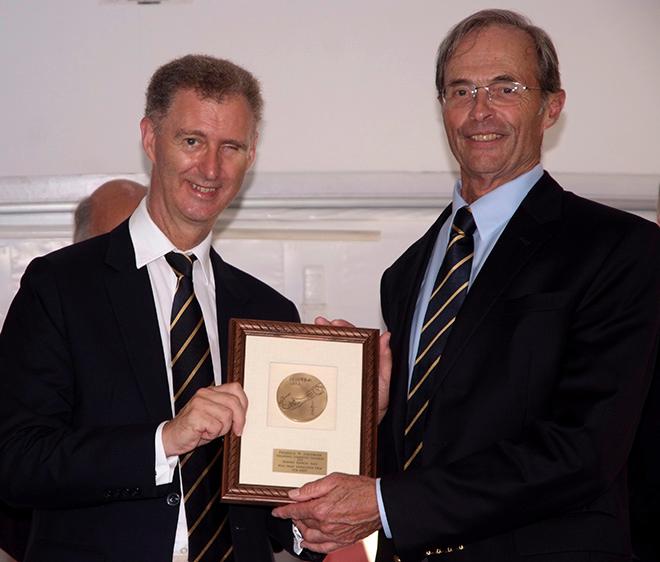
(111, 204)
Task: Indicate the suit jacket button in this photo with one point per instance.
(173, 499)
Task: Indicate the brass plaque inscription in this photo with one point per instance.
(300, 462)
(302, 397)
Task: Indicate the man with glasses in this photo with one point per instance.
(524, 330)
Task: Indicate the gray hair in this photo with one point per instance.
(546, 54)
(210, 77)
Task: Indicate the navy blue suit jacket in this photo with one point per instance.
(539, 390)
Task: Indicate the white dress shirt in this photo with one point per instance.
(151, 245)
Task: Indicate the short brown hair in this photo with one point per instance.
(546, 54)
(210, 77)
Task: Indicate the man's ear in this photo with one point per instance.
(553, 106)
(148, 130)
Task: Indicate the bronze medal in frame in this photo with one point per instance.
(302, 397)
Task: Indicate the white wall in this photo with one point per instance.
(348, 83)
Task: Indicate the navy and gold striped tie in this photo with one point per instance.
(448, 294)
(209, 536)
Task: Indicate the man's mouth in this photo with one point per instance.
(485, 137)
(204, 188)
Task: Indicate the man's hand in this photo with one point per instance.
(333, 512)
(210, 413)
(384, 363)
(384, 374)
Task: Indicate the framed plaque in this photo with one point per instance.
(312, 393)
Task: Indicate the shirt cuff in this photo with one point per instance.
(381, 509)
(297, 539)
(165, 466)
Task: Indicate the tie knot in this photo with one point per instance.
(181, 263)
(464, 221)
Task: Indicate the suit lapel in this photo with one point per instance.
(230, 299)
(131, 296)
(531, 225)
(405, 307)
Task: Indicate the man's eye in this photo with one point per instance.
(461, 92)
(506, 89)
(191, 141)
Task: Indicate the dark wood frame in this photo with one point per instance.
(235, 492)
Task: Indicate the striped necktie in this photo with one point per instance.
(209, 536)
(448, 294)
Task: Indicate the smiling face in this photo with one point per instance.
(494, 144)
(200, 151)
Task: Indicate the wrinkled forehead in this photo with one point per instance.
(190, 103)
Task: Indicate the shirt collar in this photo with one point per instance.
(494, 209)
(150, 243)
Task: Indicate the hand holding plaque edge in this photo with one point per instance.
(384, 364)
(212, 412)
(333, 512)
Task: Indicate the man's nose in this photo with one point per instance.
(481, 105)
(210, 164)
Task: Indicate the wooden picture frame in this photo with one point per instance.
(313, 401)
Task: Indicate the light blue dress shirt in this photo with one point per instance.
(491, 213)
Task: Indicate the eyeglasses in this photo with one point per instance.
(500, 92)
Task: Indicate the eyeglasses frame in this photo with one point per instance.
(474, 90)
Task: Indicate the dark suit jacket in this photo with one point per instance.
(83, 388)
(14, 530)
(538, 393)
(644, 478)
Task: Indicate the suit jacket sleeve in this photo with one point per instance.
(46, 459)
(579, 428)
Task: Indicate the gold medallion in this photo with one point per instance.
(302, 397)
